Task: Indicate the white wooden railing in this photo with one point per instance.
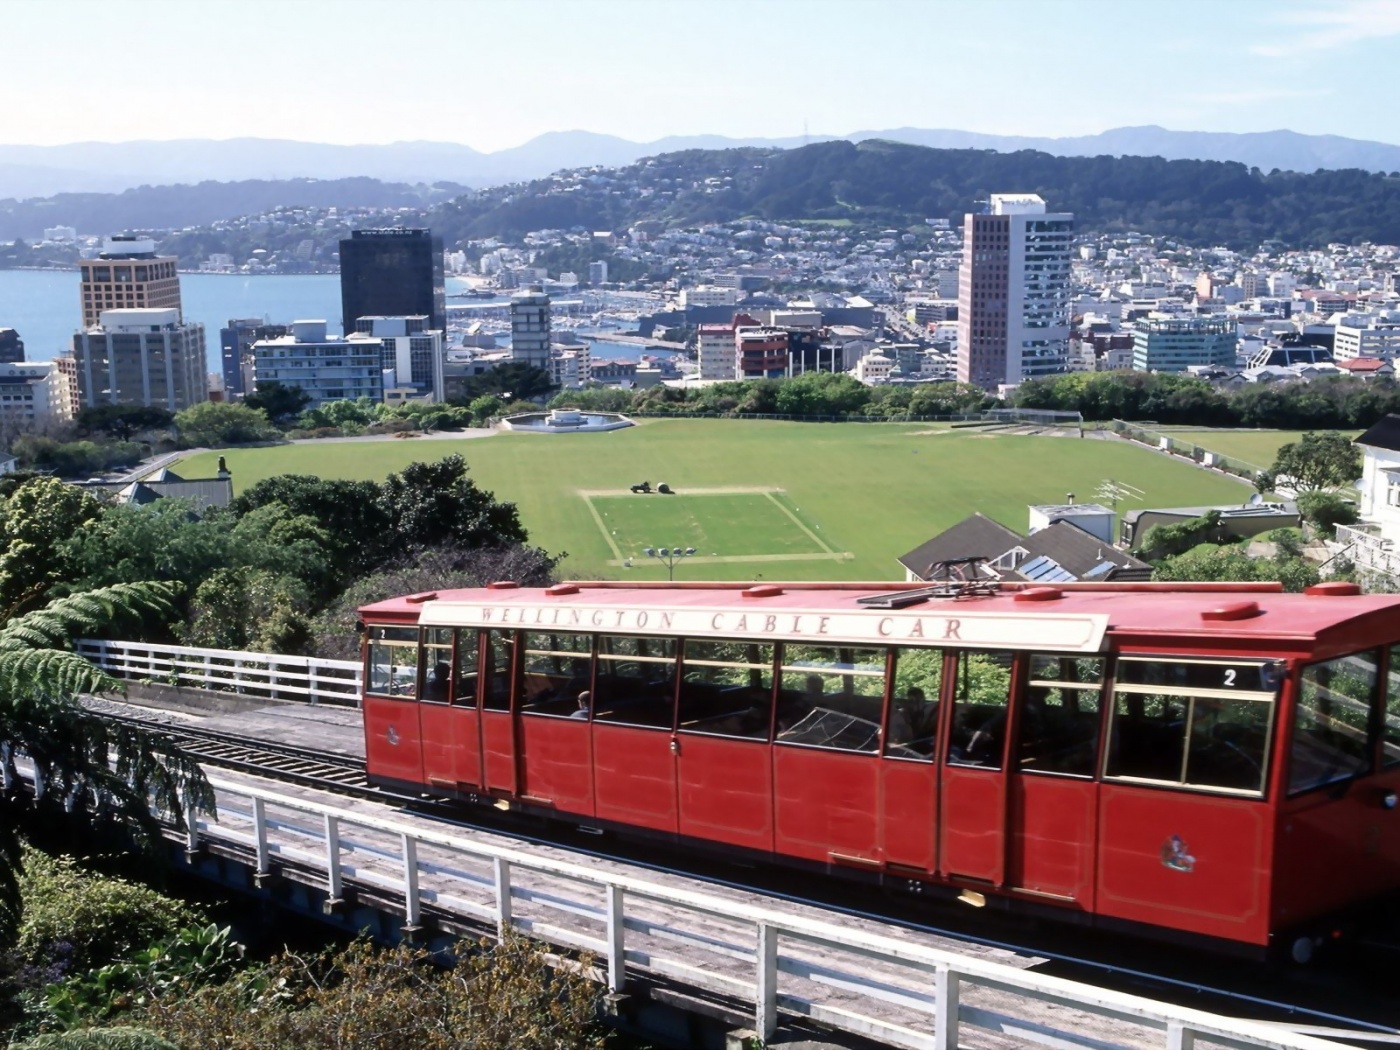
(304, 678)
(901, 993)
(1368, 550)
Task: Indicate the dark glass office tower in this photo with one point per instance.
(392, 273)
(11, 346)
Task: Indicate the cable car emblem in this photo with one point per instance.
(393, 736)
(1177, 855)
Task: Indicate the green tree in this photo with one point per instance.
(821, 394)
(122, 421)
(486, 407)
(116, 1038)
(35, 524)
(354, 522)
(435, 503)
(216, 423)
(1318, 461)
(252, 609)
(281, 404)
(1167, 541)
(1324, 511)
(164, 540)
(1210, 562)
(120, 775)
(514, 381)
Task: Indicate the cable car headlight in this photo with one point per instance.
(1389, 800)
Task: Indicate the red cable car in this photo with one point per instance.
(1202, 761)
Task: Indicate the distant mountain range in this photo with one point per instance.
(109, 167)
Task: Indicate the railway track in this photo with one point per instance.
(1186, 979)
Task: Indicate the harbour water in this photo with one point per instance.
(43, 306)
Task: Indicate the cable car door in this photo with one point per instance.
(973, 781)
(498, 749)
(448, 712)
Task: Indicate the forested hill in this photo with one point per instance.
(884, 183)
(176, 207)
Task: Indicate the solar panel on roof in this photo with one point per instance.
(1103, 568)
(1045, 570)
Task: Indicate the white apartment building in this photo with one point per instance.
(328, 368)
(709, 296)
(715, 343)
(34, 393)
(411, 355)
(570, 365)
(874, 368)
(1013, 292)
(1366, 335)
(598, 272)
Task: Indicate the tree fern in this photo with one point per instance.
(114, 772)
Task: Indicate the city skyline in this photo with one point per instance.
(998, 67)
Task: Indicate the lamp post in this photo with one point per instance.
(670, 555)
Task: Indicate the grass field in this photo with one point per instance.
(1253, 446)
(858, 495)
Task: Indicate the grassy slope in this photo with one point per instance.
(1253, 446)
(876, 491)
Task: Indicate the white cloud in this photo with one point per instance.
(1335, 25)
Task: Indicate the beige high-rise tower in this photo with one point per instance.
(128, 275)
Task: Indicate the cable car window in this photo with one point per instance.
(727, 689)
(831, 697)
(1193, 723)
(557, 675)
(393, 662)
(636, 681)
(1059, 728)
(1332, 719)
(465, 680)
(1390, 725)
(981, 693)
(500, 647)
(437, 665)
(918, 682)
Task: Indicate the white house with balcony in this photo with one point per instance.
(1374, 541)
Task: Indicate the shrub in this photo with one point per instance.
(98, 1039)
(1324, 511)
(80, 920)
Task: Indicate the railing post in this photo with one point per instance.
(617, 953)
(333, 887)
(311, 684)
(945, 1021)
(411, 903)
(766, 1006)
(191, 830)
(503, 920)
(260, 835)
(1179, 1037)
(208, 673)
(238, 674)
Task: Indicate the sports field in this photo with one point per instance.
(769, 500)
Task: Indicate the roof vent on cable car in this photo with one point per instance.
(1038, 594)
(502, 585)
(1333, 589)
(762, 590)
(1232, 611)
(419, 599)
(561, 589)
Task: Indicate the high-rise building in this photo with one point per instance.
(1174, 344)
(128, 275)
(715, 345)
(141, 357)
(11, 347)
(411, 354)
(598, 273)
(392, 273)
(236, 352)
(326, 367)
(530, 328)
(1013, 292)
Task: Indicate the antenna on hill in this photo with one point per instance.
(1114, 492)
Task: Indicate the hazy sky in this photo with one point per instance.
(494, 74)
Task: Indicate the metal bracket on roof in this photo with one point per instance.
(955, 578)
